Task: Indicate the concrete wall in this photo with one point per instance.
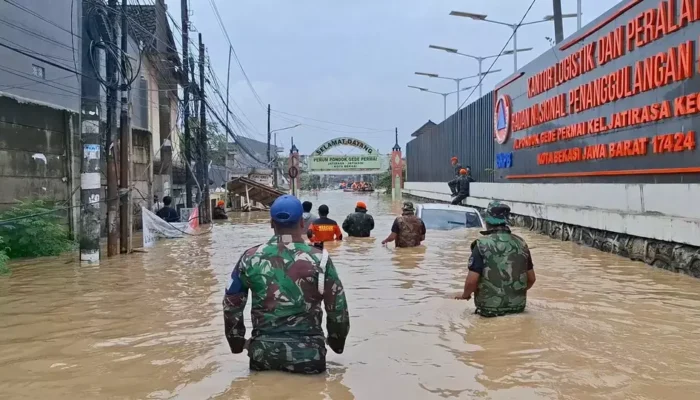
(141, 172)
(41, 28)
(657, 211)
(152, 104)
(39, 155)
(467, 134)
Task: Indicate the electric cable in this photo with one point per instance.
(481, 78)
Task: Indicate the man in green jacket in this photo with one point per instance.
(500, 267)
(288, 280)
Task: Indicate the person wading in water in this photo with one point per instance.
(359, 223)
(308, 216)
(167, 213)
(408, 230)
(500, 267)
(324, 229)
(288, 280)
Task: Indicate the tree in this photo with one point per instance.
(217, 144)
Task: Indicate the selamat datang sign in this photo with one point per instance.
(319, 161)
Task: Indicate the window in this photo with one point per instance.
(38, 71)
(450, 219)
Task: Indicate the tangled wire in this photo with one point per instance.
(102, 33)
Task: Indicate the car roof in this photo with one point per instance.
(452, 207)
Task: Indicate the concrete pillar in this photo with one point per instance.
(294, 169)
(396, 171)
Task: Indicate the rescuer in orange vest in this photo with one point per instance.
(324, 229)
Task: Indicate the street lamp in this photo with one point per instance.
(458, 80)
(479, 59)
(444, 96)
(514, 27)
(282, 129)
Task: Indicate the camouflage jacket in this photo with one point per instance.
(409, 229)
(502, 287)
(283, 279)
(358, 224)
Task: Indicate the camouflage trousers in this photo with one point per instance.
(307, 356)
(489, 312)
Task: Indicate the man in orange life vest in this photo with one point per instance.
(324, 229)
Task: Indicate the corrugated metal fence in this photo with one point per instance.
(428, 155)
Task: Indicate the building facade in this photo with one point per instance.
(48, 66)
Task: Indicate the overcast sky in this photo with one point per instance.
(350, 62)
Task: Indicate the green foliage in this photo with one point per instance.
(309, 182)
(34, 229)
(384, 181)
(3, 259)
(217, 144)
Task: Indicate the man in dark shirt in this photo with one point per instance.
(359, 223)
(462, 187)
(167, 213)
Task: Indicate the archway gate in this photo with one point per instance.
(368, 163)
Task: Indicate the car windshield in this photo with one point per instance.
(450, 219)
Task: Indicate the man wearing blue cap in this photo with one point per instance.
(288, 279)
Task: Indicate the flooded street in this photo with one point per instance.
(149, 326)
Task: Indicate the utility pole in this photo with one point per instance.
(558, 23)
(126, 217)
(275, 165)
(204, 164)
(195, 148)
(186, 95)
(90, 186)
(269, 136)
(228, 84)
(111, 133)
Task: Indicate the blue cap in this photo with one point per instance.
(286, 210)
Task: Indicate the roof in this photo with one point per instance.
(146, 16)
(254, 190)
(440, 206)
(427, 127)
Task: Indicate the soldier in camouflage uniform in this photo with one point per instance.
(500, 267)
(359, 223)
(288, 280)
(408, 230)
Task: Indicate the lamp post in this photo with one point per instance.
(444, 96)
(457, 80)
(514, 27)
(578, 15)
(274, 166)
(480, 60)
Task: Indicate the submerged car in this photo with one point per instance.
(447, 216)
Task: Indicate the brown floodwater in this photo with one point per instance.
(149, 325)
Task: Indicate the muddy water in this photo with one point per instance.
(149, 326)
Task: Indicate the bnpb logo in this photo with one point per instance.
(501, 119)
